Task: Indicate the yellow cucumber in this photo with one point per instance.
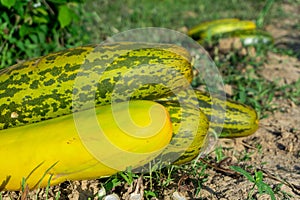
(218, 30)
(197, 30)
(59, 83)
(56, 150)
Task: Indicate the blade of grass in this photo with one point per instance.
(243, 172)
(263, 13)
(45, 173)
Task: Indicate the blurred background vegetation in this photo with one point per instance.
(30, 28)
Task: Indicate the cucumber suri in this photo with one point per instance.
(83, 77)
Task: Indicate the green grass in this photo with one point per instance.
(258, 182)
(112, 17)
(262, 15)
(157, 181)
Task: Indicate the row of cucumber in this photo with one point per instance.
(211, 31)
(65, 116)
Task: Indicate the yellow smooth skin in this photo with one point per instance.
(53, 149)
(196, 30)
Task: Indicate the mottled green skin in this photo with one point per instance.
(66, 81)
(238, 120)
(232, 118)
(190, 127)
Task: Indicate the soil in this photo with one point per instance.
(278, 137)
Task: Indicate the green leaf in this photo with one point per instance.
(41, 10)
(270, 191)
(150, 194)
(34, 38)
(112, 184)
(8, 3)
(243, 172)
(219, 154)
(259, 176)
(64, 16)
(24, 30)
(40, 20)
(4, 17)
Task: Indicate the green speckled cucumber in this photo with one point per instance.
(238, 119)
(189, 132)
(46, 87)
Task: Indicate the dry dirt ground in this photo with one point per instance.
(278, 135)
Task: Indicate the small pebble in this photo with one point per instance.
(14, 115)
(135, 197)
(111, 197)
(177, 196)
(101, 192)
